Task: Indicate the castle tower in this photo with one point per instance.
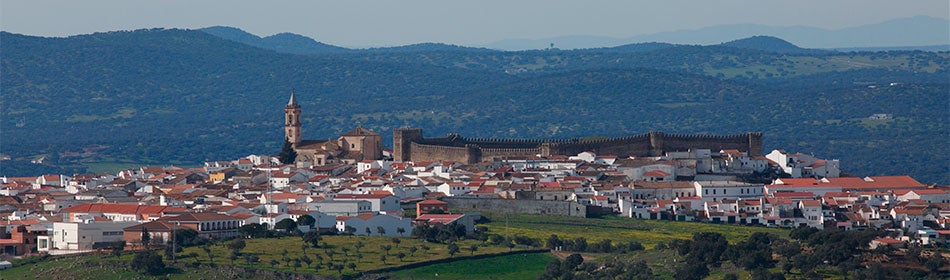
(402, 142)
(292, 120)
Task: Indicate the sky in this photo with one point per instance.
(365, 23)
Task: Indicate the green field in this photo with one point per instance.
(341, 250)
(647, 232)
(519, 266)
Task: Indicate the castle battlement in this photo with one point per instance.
(410, 145)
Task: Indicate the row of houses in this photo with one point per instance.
(374, 196)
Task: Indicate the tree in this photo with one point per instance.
(553, 242)
(412, 250)
(386, 248)
(382, 258)
(148, 262)
(253, 230)
(306, 220)
(400, 256)
(117, 248)
(286, 225)
(359, 245)
(934, 263)
(368, 232)
(287, 153)
(425, 248)
(351, 266)
(380, 230)
(273, 263)
(237, 245)
(786, 248)
(207, 250)
(338, 268)
(146, 238)
(691, 271)
(251, 258)
(305, 259)
(573, 261)
(473, 248)
(707, 248)
(396, 242)
(453, 249)
(401, 231)
(296, 262)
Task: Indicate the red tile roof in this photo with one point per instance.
(122, 208)
(811, 203)
(362, 196)
(876, 182)
(439, 218)
(656, 173)
(888, 240)
(432, 202)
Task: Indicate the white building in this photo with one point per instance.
(370, 224)
(800, 165)
(82, 236)
(341, 207)
(380, 202)
(719, 190)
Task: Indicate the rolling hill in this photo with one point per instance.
(183, 96)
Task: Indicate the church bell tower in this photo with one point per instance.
(292, 120)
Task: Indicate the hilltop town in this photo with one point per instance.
(352, 185)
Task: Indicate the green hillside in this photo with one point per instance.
(182, 97)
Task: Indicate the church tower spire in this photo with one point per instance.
(292, 120)
(293, 99)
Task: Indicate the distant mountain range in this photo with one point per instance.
(905, 33)
(298, 44)
(160, 96)
(915, 33)
(282, 42)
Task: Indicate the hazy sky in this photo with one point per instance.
(358, 23)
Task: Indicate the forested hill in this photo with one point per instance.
(179, 96)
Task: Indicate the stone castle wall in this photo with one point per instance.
(547, 207)
(410, 145)
(423, 152)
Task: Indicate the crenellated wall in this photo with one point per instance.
(637, 145)
(411, 146)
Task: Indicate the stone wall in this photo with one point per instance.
(423, 152)
(410, 145)
(547, 207)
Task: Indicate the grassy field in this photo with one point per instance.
(617, 229)
(520, 266)
(96, 267)
(341, 251)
